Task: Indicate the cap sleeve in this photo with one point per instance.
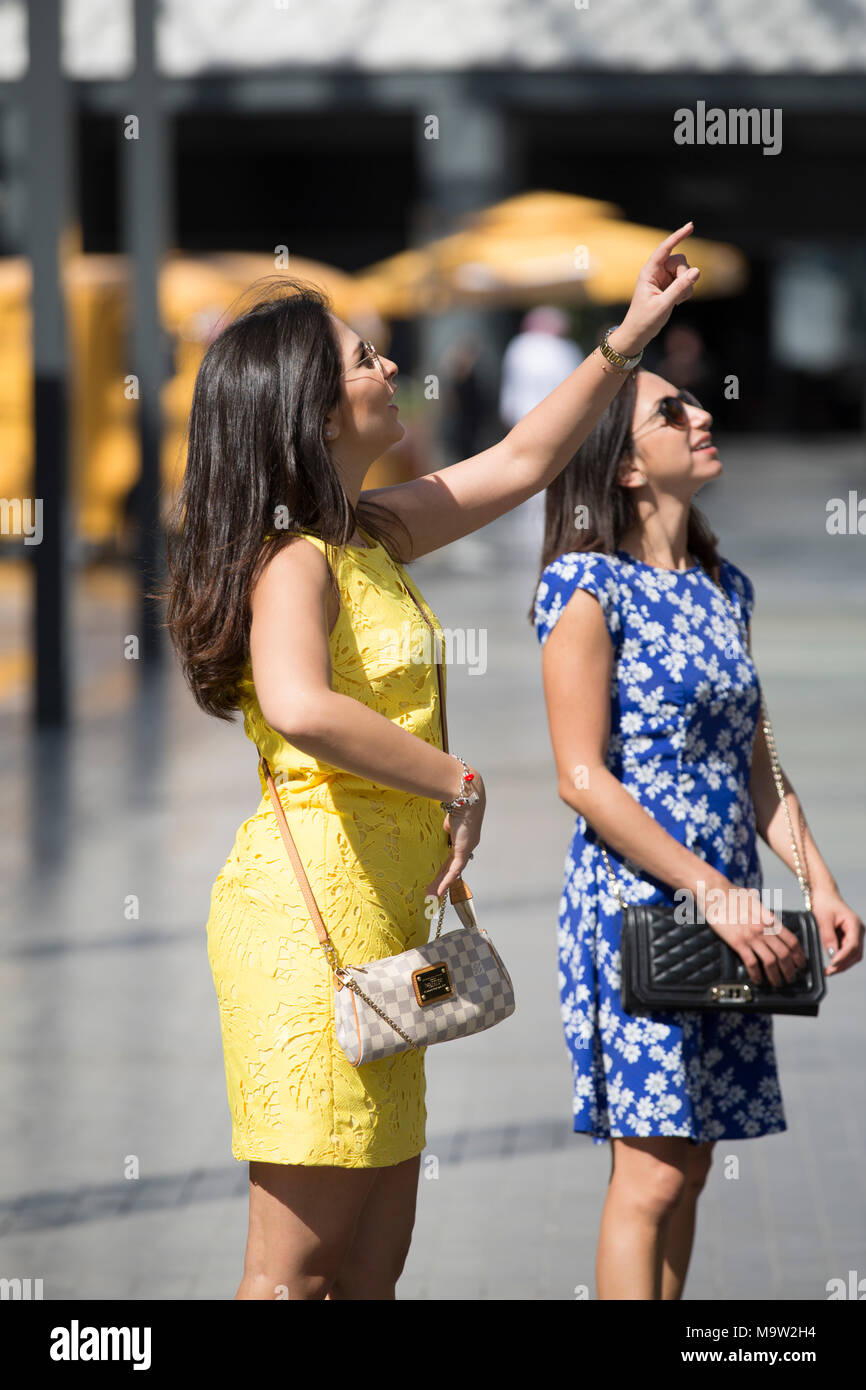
(587, 570)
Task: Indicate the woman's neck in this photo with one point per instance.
(660, 541)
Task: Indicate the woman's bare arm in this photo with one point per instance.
(291, 663)
(577, 661)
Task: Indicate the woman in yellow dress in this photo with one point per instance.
(288, 601)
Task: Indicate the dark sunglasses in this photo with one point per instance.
(673, 411)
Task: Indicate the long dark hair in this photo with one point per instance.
(257, 472)
(589, 481)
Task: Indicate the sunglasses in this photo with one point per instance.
(370, 354)
(672, 410)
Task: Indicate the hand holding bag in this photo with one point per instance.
(671, 964)
(450, 987)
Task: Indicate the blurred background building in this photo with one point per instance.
(344, 140)
(443, 170)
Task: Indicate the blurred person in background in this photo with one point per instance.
(463, 403)
(535, 361)
(533, 364)
(286, 585)
(681, 355)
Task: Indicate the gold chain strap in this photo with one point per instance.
(802, 873)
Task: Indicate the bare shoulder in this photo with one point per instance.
(296, 577)
(299, 559)
(289, 647)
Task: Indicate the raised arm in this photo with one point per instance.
(448, 504)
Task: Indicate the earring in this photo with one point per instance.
(330, 434)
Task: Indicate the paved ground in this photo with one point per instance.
(109, 1028)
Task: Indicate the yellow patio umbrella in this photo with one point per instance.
(536, 246)
(542, 212)
(417, 280)
(600, 268)
(405, 285)
(198, 293)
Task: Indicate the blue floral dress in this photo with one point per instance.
(685, 702)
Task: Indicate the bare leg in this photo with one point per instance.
(681, 1227)
(383, 1234)
(646, 1183)
(302, 1223)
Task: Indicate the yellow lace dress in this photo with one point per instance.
(369, 852)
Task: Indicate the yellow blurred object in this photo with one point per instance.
(405, 285)
(601, 268)
(16, 379)
(105, 456)
(536, 246)
(519, 252)
(543, 213)
(196, 297)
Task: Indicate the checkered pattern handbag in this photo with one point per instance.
(454, 985)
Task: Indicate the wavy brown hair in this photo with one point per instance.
(589, 480)
(257, 472)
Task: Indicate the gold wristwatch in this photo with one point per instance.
(616, 359)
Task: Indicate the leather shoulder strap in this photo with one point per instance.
(410, 590)
(309, 899)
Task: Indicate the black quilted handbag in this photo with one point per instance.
(669, 964)
(676, 965)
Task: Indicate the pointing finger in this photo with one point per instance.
(664, 248)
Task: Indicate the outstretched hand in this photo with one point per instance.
(663, 282)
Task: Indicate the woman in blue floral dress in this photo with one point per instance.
(654, 701)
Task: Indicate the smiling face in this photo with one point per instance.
(664, 457)
(365, 423)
